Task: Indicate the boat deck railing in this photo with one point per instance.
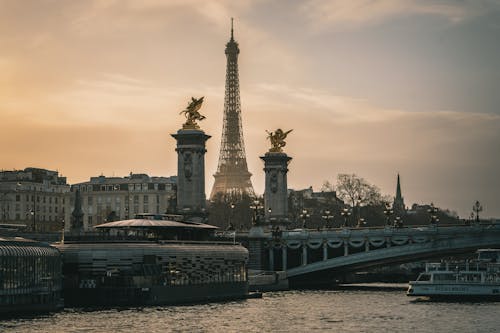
(463, 267)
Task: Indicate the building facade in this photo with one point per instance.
(105, 199)
(34, 197)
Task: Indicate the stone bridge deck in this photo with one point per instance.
(304, 253)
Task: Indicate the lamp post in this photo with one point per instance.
(345, 213)
(477, 208)
(434, 219)
(388, 211)
(327, 217)
(230, 225)
(398, 222)
(256, 206)
(62, 230)
(361, 222)
(305, 215)
(32, 211)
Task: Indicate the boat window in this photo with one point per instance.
(488, 255)
(424, 277)
(444, 277)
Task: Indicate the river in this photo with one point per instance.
(348, 310)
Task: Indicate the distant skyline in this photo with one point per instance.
(369, 87)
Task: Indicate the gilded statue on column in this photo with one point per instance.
(192, 114)
(277, 139)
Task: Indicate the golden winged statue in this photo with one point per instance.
(277, 139)
(192, 114)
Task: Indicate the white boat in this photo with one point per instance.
(479, 278)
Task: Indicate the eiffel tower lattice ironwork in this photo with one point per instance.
(232, 176)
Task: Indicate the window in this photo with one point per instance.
(90, 219)
(89, 200)
(146, 199)
(18, 197)
(146, 209)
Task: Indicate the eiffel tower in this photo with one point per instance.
(232, 176)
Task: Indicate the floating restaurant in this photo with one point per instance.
(153, 260)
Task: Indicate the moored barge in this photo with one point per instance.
(184, 268)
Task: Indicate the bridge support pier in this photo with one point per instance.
(346, 247)
(271, 258)
(367, 245)
(325, 251)
(284, 258)
(304, 254)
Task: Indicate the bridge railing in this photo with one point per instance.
(387, 230)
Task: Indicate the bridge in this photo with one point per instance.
(308, 255)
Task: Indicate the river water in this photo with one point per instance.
(351, 310)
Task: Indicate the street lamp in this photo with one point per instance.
(305, 215)
(32, 211)
(434, 219)
(398, 222)
(327, 217)
(477, 208)
(62, 230)
(256, 206)
(345, 213)
(361, 222)
(230, 224)
(388, 211)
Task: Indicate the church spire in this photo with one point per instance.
(399, 204)
(398, 190)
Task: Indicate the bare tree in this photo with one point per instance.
(356, 191)
(327, 187)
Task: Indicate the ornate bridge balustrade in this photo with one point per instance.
(303, 252)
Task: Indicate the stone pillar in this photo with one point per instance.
(304, 254)
(271, 258)
(346, 247)
(284, 257)
(325, 251)
(276, 189)
(191, 171)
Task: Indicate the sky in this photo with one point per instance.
(369, 87)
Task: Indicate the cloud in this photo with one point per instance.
(359, 13)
